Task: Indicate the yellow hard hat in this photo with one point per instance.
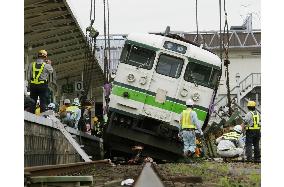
(42, 53)
(251, 103)
(95, 119)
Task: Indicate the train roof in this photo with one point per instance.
(193, 50)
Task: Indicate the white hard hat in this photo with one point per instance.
(51, 105)
(67, 101)
(76, 102)
(189, 102)
(238, 128)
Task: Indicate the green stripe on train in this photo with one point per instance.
(150, 100)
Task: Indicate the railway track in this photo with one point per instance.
(57, 174)
(63, 169)
(104, 173)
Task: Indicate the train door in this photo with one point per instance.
(163, 86)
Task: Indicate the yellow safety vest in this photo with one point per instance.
(186, 120)
(255, 119)
(71, 109)
(36, 76)
(231, 136)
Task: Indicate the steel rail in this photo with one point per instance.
(149, 177)
(62, 169)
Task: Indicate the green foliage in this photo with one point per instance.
(224, 181)
(255, 179)
(218, 173)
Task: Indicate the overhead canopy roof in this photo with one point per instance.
(51, 25)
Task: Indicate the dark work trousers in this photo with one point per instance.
(252, 138)
(41, 91)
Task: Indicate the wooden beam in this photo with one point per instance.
(71, 73)
(66, 57)
(48, 33)
(51, 26)
(46, 16)
(33, 2)
(42, 8)
(53, 38)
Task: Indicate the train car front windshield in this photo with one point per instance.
(137, 56)
(201, 74)
(169, 65)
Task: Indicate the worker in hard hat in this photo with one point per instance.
(50, 111)
(230, 144)
(252, 126)
(189, 122)
(62, 109)
(73, 114)
(51, 106)
(37, 77)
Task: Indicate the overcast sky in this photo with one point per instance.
(128, 16)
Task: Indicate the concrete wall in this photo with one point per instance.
(242, 62)
(45, 144)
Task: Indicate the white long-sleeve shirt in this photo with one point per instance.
(228, 144)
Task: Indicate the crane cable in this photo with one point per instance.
(91, 45)
(226, 60)
(108, 39)
(212, 104)
(196, 21)
(105, 50)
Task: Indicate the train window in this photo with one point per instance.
(214, 77)
(124, 53)
(137, 56)
(169, 66)
(198, 73)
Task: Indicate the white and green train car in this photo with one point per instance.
(155, 77)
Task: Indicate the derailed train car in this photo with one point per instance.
(155, 77)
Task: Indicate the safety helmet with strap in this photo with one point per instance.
(42, 53)
(238, 129)
(36, 72)
(186, 120)
(251, 104)
(255, 120)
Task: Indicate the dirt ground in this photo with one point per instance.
(180, 174)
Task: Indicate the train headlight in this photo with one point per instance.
(130, 77)
(143, 80)
(184, 92)
(195, 96)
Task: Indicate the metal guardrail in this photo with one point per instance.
(252, 80)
